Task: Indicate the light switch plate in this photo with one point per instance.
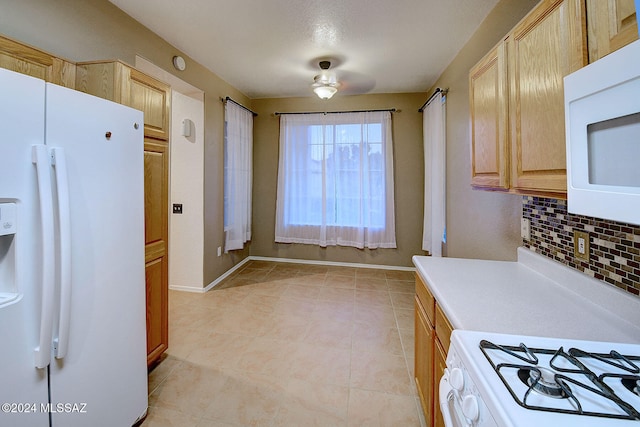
(525, 228)
(581, 248)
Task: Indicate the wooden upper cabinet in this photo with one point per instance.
(153, 98)
(116, 81)
(542, 49)
(24, 59)
(611, 24)
(488, 104)
(517, 102)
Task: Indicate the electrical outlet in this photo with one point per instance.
(525, 228)
(177, 208)
(581, 248)
(219, 250)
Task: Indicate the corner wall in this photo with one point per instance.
(480, 224)
(97, 30)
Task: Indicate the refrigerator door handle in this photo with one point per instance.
(40, 157)
(59, 162)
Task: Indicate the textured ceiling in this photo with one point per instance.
(271, 48)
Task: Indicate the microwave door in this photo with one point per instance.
(602, 114)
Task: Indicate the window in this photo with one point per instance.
(335, 180)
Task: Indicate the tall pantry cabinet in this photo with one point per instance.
(120, 83)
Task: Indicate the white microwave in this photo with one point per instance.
(602, 122)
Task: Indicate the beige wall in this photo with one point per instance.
(480, 224)
(408, 166)
(96, 29)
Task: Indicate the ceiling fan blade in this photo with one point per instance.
(352, 83)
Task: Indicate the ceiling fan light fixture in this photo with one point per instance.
(325, 91)
(325, 84)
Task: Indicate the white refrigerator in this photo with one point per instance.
(72, 281)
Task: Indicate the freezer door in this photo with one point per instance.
(102, 378)
(23, 387)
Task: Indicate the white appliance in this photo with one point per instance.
(72, 283)
(602, 118)
(509, 380)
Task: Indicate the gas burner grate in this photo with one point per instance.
(560, 382)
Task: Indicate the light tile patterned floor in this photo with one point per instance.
(290, 345)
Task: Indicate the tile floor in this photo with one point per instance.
(290, 345)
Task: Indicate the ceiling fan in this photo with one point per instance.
(326, 83)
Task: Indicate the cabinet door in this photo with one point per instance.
(488, 103)
(440, 362)
(156, 234)
(105, 79)
(547, 44)
(23, 59)
(157, 308)
(424, 339)
(611, 25)
(153, 98)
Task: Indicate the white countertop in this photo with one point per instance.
(533, 296)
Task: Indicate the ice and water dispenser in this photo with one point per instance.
(8, 230)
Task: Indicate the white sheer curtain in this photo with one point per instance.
(335, 180)
(238, 157)
(433, 123)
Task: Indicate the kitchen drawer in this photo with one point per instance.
(443, 329)
(427, 300)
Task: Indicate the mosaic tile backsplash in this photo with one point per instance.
(615, 246)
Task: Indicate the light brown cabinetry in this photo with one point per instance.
(543, 48)
(439, 363)
(432, 338)
(517, 91)
(156, 169)
(488, 100)
(120, 83)
(424, 354)
(24, 59)
(611, 24)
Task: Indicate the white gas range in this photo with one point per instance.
(521, 302)
(510, 380)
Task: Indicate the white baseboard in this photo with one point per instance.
(333, 263)
(187, 289)
(227, 274)
(289, 260)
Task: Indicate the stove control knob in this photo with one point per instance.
(470, 407)
(456, 379)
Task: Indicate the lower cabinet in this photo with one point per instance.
(424, 340)
(439, 363)
(432, 337)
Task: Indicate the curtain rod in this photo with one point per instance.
(392, 110)
(438, 90)
(238, 104)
